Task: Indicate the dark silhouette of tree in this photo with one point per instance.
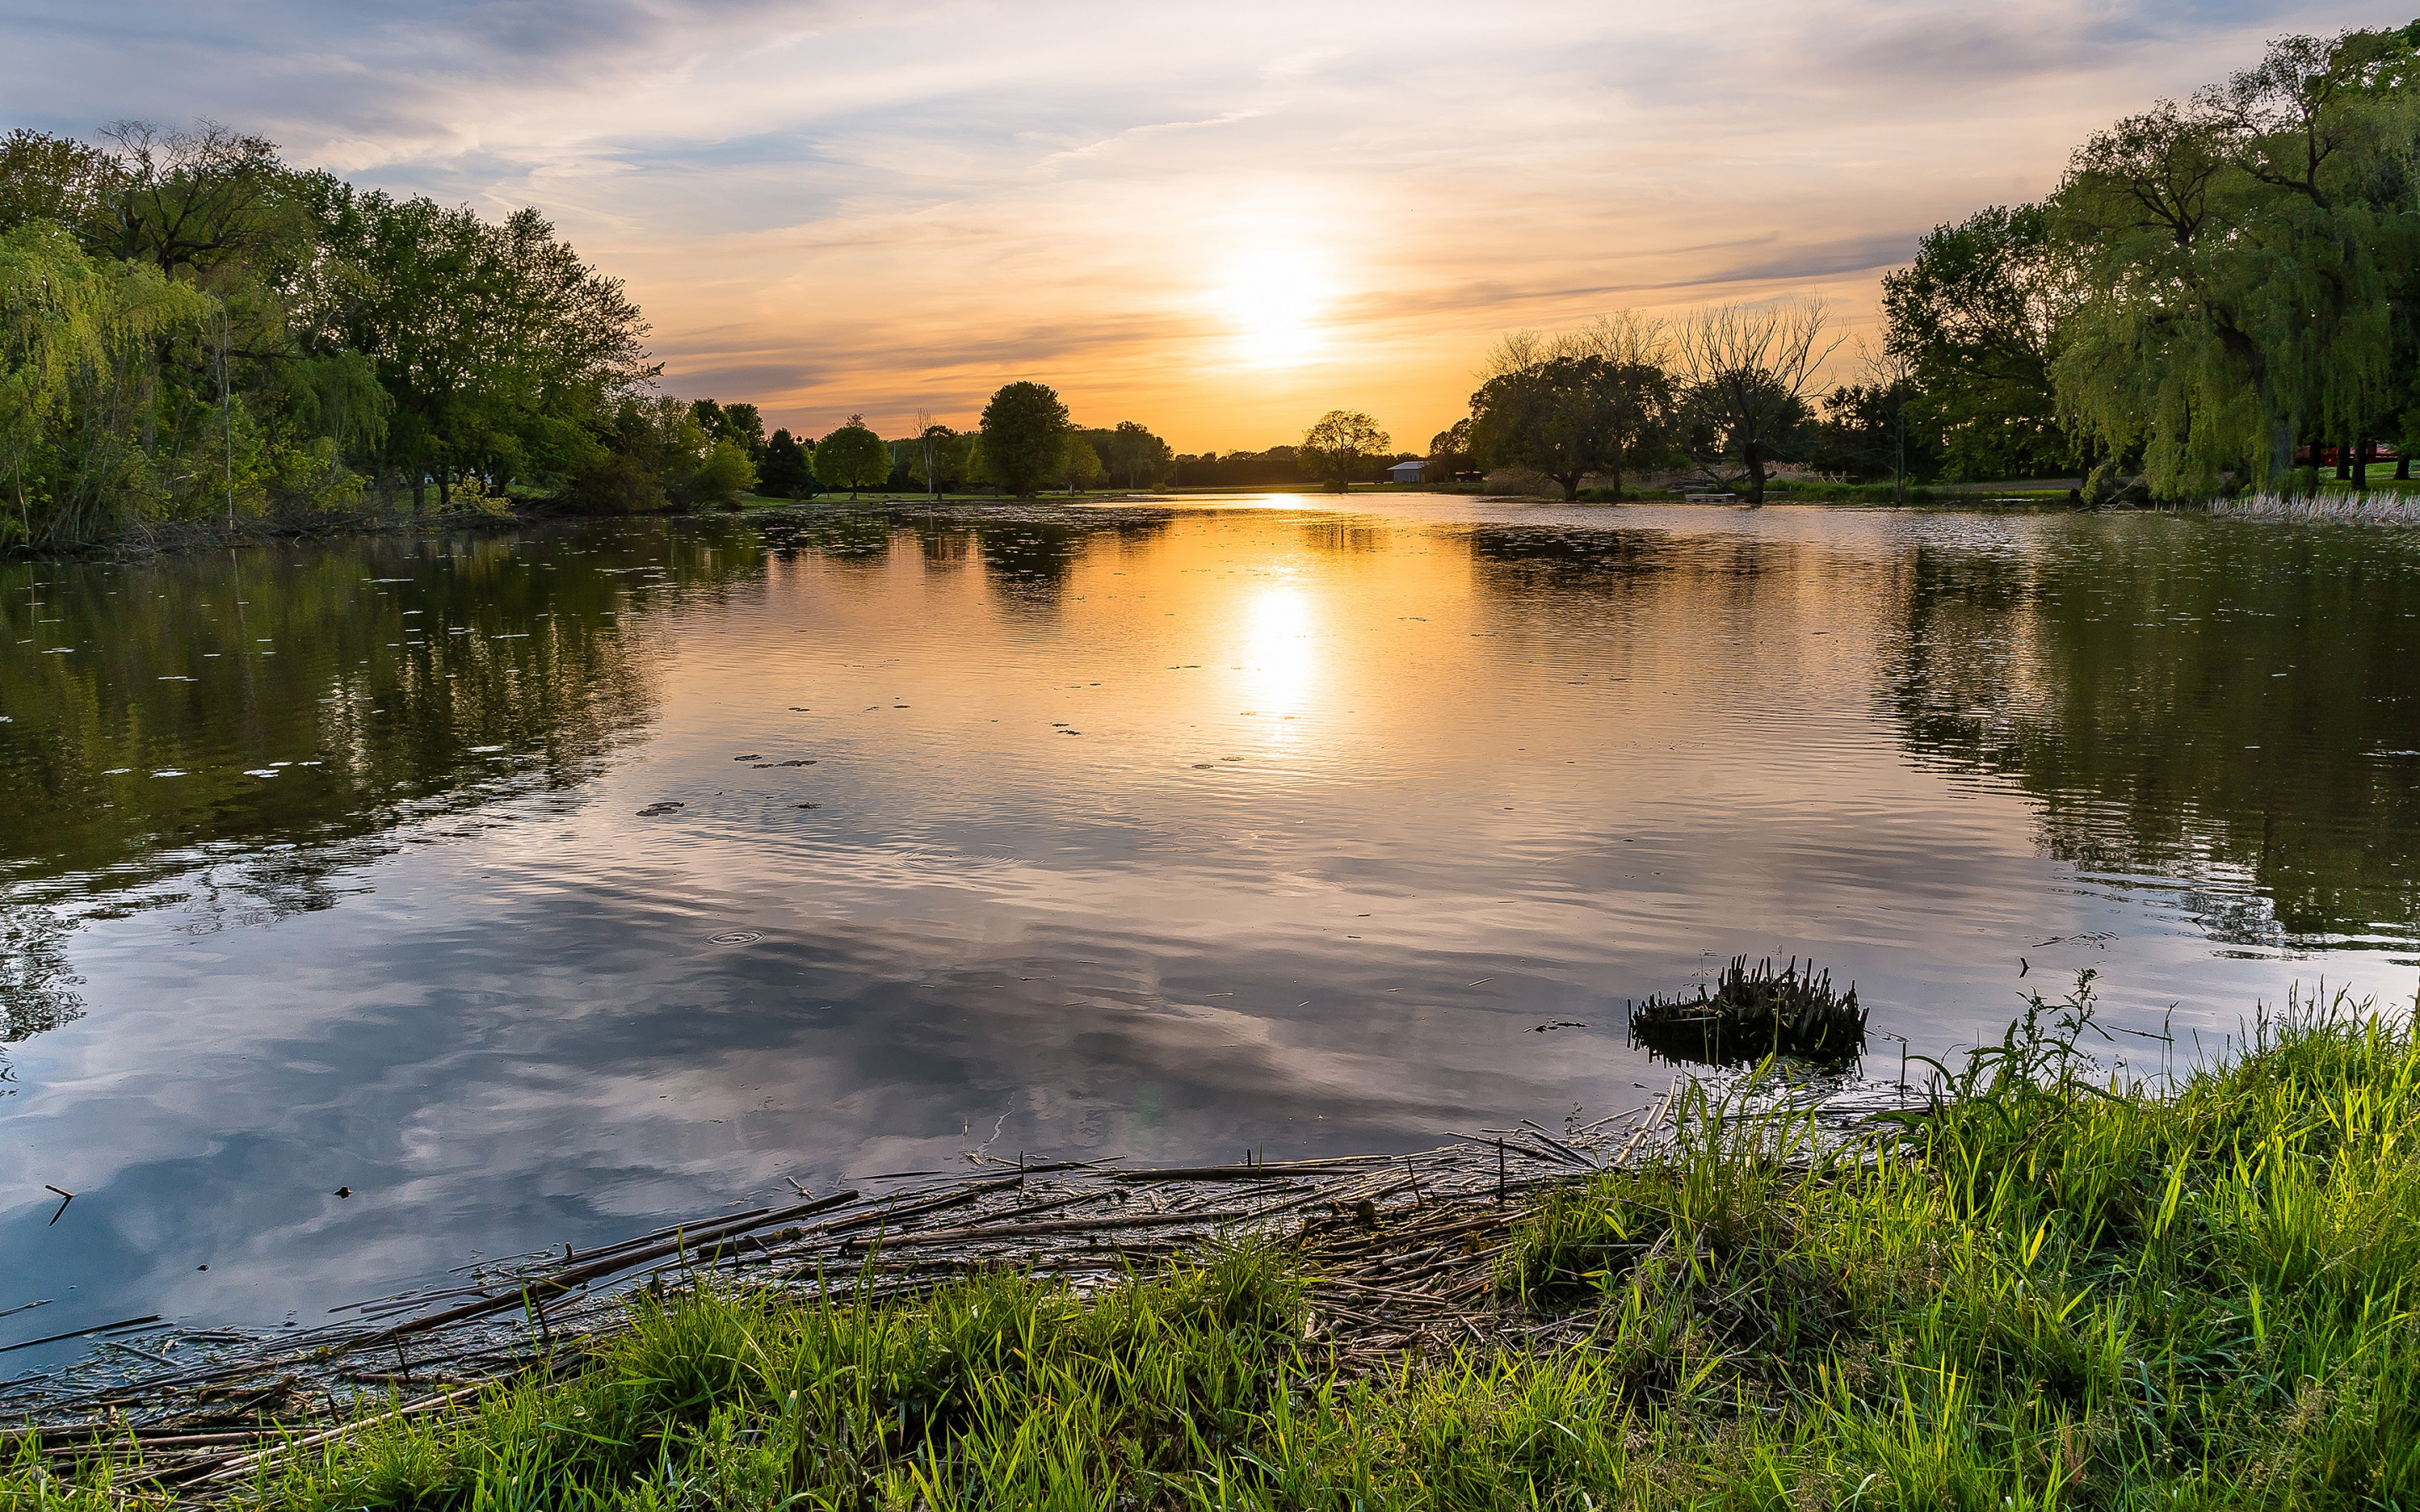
(1337, 447)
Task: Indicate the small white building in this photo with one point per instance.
(1415, 471)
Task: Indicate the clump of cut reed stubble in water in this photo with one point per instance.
(1747, 1015)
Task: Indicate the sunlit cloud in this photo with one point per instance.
(1220, 220)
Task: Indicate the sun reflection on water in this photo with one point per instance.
(1281, 654)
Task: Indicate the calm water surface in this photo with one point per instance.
(538, 888)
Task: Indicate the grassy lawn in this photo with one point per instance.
(2055, 1291)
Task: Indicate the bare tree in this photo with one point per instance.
(1745, 372)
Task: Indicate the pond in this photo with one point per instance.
(376, 906)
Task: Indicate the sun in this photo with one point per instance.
(1273, 299)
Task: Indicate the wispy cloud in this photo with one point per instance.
(828, 207)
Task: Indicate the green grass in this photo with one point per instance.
(2071, 1292)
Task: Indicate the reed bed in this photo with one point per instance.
(2382, 507)
(2035, 1286)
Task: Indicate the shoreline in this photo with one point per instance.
(2381, 505)
(2039, 1285)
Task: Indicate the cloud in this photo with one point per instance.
(853, 208)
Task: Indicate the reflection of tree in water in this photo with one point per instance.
(943, 548)
(1569, 551)
(1336, 535)
(514, 676)
(842, 535)
(1028, 562)
(2127, 678)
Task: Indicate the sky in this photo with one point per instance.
(1219, 220)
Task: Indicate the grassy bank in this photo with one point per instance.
(2058, 1291)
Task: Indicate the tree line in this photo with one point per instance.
(191, 328)
(1026, 443)
(2219, 293)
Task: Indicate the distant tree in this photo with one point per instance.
(1594, 401)
(659, 456)
(852, 458)
(1134, 454)
(1082, 464)
(724, 474)
(1024, 438)
(938, 459)
(1449, 449)
(1280, 467)
(1746, 373)
(786, 472)
(1338, 446)
(1873, 429)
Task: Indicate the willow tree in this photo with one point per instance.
(2240, 259)
(79, 378)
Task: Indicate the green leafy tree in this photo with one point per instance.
(724, 474)
(2242, 262)
(1338, 446)
(1082, 467)
(55, 179)
(745, 425)
(1450, 449)
(1024, 431)
(852, 458)
(1974, 318)
(1597, 401)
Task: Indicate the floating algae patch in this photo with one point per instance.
(1746, 1016)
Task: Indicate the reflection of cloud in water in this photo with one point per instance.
(461, 1069)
